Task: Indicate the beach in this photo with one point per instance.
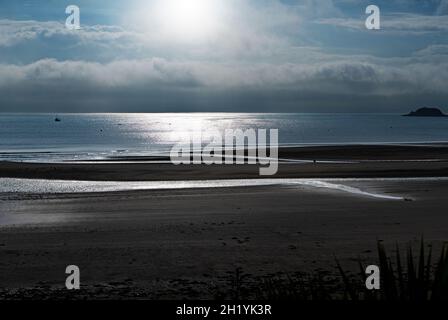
(192, 243)
(346, 161)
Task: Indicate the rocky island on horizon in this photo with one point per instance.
(426, 112)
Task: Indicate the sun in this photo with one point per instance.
(188, 19)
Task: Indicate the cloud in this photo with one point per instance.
(52, 73)
(246, 30)
(13, 32)
(254, 35)
(262, 57)
(433, 50)
(141, 82)
(404, 23)
(442, 9)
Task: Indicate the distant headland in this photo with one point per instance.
(426, 112)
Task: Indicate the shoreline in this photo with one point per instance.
(319, 162)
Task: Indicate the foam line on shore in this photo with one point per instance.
(345, 188)
(42, 186)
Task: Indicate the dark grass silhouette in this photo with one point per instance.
(412, 279)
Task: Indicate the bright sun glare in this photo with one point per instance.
(188, 19)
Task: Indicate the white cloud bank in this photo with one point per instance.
(341, 75)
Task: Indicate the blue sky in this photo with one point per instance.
(223, 55)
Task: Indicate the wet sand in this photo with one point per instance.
(171, 244)
(331, 162)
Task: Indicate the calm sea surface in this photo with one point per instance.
(37, 137)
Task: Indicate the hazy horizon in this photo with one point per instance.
(213, 112)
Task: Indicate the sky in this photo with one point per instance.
(223, 56)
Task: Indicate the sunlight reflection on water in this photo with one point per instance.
(37, 137)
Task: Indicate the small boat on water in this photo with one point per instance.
(57, 119)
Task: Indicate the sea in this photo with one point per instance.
(79, 137)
